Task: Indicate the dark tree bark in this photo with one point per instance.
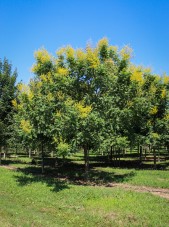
(86, 159)
(42, 150)
(111, 153)
(141, 151)
(145, 152)
(16, 150)
(119, 151)
(155, 157)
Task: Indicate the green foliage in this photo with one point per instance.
(7, 94)
(63, 149)
(92, 99)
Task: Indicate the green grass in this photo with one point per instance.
(34, 200)
(152, 178)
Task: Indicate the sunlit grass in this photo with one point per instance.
(35, 200)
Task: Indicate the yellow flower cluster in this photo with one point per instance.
(60, 95)
(25, 126)
(55, 140)
(23, 88)
(102, 42)
(166, 79)
(46, 78)
(69, 52)
(58, 114)
(153, 89)
(154, 110)
(92, 57)
(157, 78)
(155, 135)
(42, 56)
(69, 102)
(137, 76)
(113, 48)
(14, 103)
(166, 116)
(163, 93)
(30, 95)
(126, 53)
(83, 110)
(61, 51)
(81, 55)
(35, 67)
(39, 84)
(43, 78)
(62, 71)
(49, 97)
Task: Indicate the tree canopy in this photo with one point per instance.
(92, 98)
(7, 94)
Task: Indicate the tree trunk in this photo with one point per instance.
(86, 159)
(42, 150)
(168, 149)
(155, 158)
(52, 154)
(145, 152)
(131, 148)
(119, 151)
(5, 152)
(141, 151)
(138, 148)
(115, 161)
(111, 153)
(124, 152)
(30, 153)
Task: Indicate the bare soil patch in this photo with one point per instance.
(9, 167)
(162, 192)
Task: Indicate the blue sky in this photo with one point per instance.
(27, 25)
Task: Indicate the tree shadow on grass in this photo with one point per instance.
(31, 175)
(13, 161)
(69, 173)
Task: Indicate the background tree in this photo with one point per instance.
(7, 94)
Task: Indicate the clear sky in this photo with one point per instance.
(27, 25)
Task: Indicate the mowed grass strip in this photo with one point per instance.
(28, 200)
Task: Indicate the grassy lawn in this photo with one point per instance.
(30, 199)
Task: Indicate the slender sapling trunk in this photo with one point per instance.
(155, 158)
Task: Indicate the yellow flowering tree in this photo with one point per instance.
(91, 98)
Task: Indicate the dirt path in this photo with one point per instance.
(9, 167)
(164, 193)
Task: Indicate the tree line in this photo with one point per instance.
(93, 99)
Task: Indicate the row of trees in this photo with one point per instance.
(93, 99)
